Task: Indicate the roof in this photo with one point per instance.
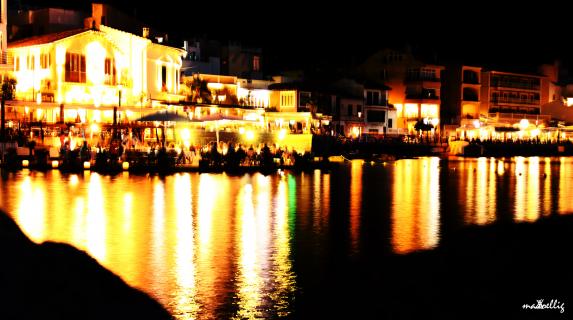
(47, 38)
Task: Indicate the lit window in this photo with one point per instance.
(75, 67)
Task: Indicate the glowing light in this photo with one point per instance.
(250, 135)
(125, 165)
(87, 165)
(55, 164)
(429, 110)
(411, 110)
(25, 163)
(282, 134)
(356, 131)
(399, 109)
(523, 124)
(241, 130)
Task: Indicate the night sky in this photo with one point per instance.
(302, 33)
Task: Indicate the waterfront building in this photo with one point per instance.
(416, 85)
(4, 66)
(507, 97)
(80, 75)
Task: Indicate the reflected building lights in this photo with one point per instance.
(520, 189)
(415, 205)
(249, 284)
(355, 202)
(184, 249)
(96, 221)
(31, 215)
(533, 195)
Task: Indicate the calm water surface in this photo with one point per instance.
(214, 246)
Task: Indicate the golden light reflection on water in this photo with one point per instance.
(214, 246)
(565, 186)
(480, 191)
(355, 201)
(415, 205)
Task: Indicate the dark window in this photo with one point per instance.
(358, 108)
(110, 72)
(390, 123)
(372, 98)
(375, 116)
(75, 68)
(350, 110)
(164, 78)
(44, 60)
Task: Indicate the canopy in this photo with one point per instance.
(219, 117)
(164, 116)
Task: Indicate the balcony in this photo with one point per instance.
(418, 77)
(516, 101)
(514, 110)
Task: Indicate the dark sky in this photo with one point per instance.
(308, 33)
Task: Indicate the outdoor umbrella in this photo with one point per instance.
(218, 118)
(164, 116)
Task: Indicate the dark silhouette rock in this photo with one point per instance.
(57, 281)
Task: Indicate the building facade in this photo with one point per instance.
(508, 98)
(416, 85)
(82, 74)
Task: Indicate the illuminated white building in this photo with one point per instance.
(84, 73)
(3, 37)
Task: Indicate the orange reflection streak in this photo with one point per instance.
(547, 187)
(491, 193)
(470, 194)
(185, 293)
(285, 280)
(533, 177)
(96, 220)
(250, 282)
(481, 194)
(415, 205)
(520, 189)
(355, 202)
(325, 198)
(30, 214)
(565, 187)
(262, 211)
(207, 269)
(316, 202)
(158, 248)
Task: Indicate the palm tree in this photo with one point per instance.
(7, 93)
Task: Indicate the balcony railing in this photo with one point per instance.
(411, 77)
(515, 101)
(516, 85)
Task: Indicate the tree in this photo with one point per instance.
(7, 93)
(422, 125)
(199, 91)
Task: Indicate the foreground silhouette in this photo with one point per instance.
(57, 281)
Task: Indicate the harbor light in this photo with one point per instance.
(55, 164)
(25, 163)
(87, 165)
(125, 165)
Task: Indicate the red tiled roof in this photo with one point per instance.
(47, 38)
